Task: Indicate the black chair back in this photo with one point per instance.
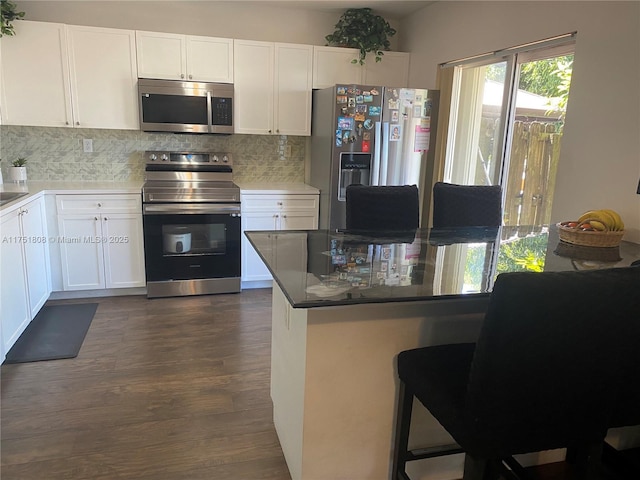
(466, 205)
(382, 208)
(554, 356)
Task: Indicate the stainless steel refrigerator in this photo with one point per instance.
(369, 135)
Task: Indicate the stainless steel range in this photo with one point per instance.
(191, 216)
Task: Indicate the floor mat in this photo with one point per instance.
(56, 332)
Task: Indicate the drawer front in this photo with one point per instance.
(270, 203)
(111, 203)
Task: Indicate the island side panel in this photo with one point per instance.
(288, 353)
(351, 382)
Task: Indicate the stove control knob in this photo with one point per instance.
(164, 157)
(215, 159)
(225, 159)
(153, 157)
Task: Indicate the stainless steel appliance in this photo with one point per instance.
(191, 217)
(191, 107)
(369, 135)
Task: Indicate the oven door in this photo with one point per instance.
(191, 241)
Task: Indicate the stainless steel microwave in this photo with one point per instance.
(188, 107)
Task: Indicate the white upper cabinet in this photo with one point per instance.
(103, 77)
(184, 57)
(210, 59)
(391, 71)
(293, 86)
(253, 87)
(161, 55)
(35, 76)
(333, 65)
(272, 88)
(61, 75)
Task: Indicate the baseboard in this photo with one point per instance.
(111, 292)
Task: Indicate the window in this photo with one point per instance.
(505, 124)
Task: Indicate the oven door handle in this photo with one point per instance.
(192, 208)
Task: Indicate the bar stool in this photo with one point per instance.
(553, 359)
(466, 205)
(377, 208)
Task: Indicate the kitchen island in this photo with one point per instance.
(345, 305)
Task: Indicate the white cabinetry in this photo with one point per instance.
(56, 75)
(272, 212)
(392, 71)
(102, 243)
(35, 76)
(272, 88)
(333, 65)
(103, 77)
(184, 57)
(25, 281)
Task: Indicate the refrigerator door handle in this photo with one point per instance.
(377, 151)
(384, 157)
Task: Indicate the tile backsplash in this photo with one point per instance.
(57, 153)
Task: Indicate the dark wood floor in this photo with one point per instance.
(170, 389)
(164, 389)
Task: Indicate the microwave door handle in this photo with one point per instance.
(209, 113)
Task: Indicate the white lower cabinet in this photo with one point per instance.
(101, 242)
(25, 283)
(272, 212)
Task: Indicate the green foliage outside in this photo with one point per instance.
(550, 77)
(526, 254)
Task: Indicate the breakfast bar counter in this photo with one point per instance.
(345, 305)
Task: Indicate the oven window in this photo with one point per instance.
(174, 109)
(194, 239)
(191, 246)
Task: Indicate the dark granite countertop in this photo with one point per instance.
(320, 268)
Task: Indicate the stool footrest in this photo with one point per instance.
(433, 452)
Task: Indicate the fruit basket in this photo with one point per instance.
(577, 236)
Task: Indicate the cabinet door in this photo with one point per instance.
(161, 55)
(123, 250)
(299, 220)
(253, 85)
(103, 77)
(81, 252)
(253, 268)
(35, 76)
(333, 65)
(210, 59)
(392, 71)
(36, 254)
(14, 307)
(293, 81)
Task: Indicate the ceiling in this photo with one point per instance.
(388, 8)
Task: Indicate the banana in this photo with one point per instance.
(604, 219)
(596, 225)
(619, 224)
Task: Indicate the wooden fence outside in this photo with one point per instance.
(535, 150)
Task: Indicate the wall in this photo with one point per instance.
(56, 153)
(600, 158)
(231, 19)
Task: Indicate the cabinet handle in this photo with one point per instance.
(269, 131)
(95, 218)
(284, 216)
(278, 130)
(182, 75)
(77, 123)
(279, 203)
(106, 218)
(99, 204)
(190, 77)
(66, 123)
